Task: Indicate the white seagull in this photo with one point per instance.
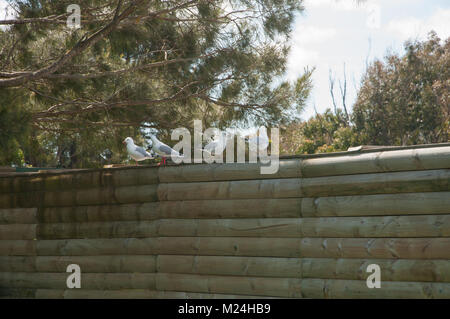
(163, 150)
(137, 153)
(217, 146)
(260, 140)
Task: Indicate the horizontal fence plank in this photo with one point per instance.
(79, 179)
(96, 213)
(262, 286)
(379, 183)
(113, 294)
(17, 293)
(89, 196)
(433, 180)
(18, 231)
(147, 294)
(352, 227)
(300, 288)
(326, 268)
(395, 248)
(364, 205)
(265, 188)
(330, 268)
(307, 288)
(353, 289)
(18, 247)
(18, 216)
(385, 204)
(391, 269)
(245, 208)
(363, 184)
(226, 172)
(282, 247)
(377, 162)
(91, 264)
(88, 280)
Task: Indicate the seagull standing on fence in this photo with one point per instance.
(164, 150)
(137, 153)
(260, 140)
(217, 146)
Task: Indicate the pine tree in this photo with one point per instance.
(137, 65)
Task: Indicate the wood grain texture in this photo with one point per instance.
(377, 162)
(113, 294)
(379, 183)
(329, 268)
(96, 213)
(18, 247)
(370, 205)
(395, 248)
(18, 231)
(357, 289)
(261, 286)
(88, 196)
(364, 205)
(91, 196)
(266, 188)
(309, 288)
(18, 216)
(51, 280)
(245, 208)
(226, 172)
(362, 184)
(351, 227)
(80, 179)
(91, 264)
(325, 268)
(227, 231)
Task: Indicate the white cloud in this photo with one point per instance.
(303, 47)
(300, 58)
(413, 27)
(346, 5)
(304, 34)
(4, 11)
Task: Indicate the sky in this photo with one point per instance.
(331, 33)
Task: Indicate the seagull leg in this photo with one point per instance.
(164, 160)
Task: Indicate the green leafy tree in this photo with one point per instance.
(323, 133)
(136, 66)
(406, 100)
(403, 100)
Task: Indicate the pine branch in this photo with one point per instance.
(79, 48)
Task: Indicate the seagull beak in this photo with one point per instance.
(123, 142)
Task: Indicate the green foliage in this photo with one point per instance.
(212, 60)
(402, 101)
(405, 100)
(14, 127)
(322, 133)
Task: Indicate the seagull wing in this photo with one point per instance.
(142, 151)
(163, 148)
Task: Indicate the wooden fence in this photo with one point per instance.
(226, 231)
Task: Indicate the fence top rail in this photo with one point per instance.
(363, 149)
